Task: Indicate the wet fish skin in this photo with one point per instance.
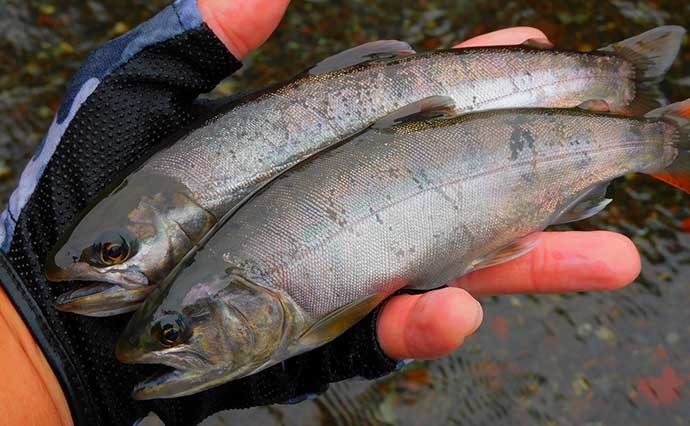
(159, 227)
(295, 121)
(217, 165)
(415, 206)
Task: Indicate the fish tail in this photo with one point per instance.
(678, 172)
(652, 53)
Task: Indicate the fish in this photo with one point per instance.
(414, 203)
(130, 240)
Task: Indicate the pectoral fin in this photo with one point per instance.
(507, 253)
(376, 50)
(338, 321)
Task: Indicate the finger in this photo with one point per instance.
(428, 325)
(562, 262)
(505, 37)
(242, 25)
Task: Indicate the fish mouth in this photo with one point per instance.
(172, 379)
(171, 383)
(102, 300)
(82, 271)
(175, 377)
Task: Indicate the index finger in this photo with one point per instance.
(505, 37)
(561, 262)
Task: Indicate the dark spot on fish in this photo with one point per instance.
(636, 132)
(332, 214)
(528, 177)
(584, 161)
(519, 139)
(393, 172)
(376, 215)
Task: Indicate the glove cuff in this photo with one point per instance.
(51, 347)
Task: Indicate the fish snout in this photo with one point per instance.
(129, 348)
(126, 353)
(55, 273)
(61, 265)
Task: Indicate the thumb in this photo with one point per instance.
(429, 325)
(242, 25)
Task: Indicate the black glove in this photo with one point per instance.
(129, 96)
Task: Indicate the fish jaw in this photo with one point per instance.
(102, 300)
(177, 383)
(119, 275)
(184, 370)
(179, 377)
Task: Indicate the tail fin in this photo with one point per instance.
(678, 173)
(652, 53)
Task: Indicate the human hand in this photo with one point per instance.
(433, 324)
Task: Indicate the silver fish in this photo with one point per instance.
(415, 205)
(135, 235)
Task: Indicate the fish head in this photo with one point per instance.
(109, 256)
(128, 240)
(215, 330)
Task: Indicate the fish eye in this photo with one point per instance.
(170, 330)
(169, 334)
(113, 253)
(112, 248)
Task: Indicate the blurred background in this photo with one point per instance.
(618, 358)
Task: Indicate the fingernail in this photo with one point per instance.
(478, 316)
(539, 42)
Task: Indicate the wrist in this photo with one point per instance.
(31, 393)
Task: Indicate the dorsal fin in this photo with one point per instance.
(424, 109)
(376, 50)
